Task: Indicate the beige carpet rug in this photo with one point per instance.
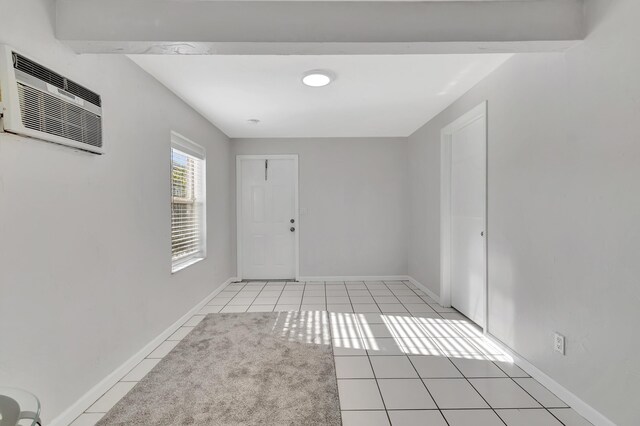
(240, 369)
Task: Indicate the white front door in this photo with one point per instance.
(267, 220)
(468, 199)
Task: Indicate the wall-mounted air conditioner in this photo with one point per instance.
(40, 103)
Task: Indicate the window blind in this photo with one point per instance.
(187, 207)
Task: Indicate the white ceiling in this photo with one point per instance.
(372, 96)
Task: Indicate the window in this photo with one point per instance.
(188, 207)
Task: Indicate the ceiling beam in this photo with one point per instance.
(324, 27)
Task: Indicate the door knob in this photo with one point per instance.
(292, 221)
(292, 229)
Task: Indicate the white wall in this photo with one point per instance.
(85, 277)
(564, 208)
(84, 240)
(355, 194)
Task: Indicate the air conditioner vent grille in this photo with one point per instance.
(83, 92)
(49, 114)
(32, 68)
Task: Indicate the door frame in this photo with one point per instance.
(446, 135)
(296, 245)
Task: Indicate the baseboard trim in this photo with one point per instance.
(86, 400)
(356, 278)
(581, 407)
(424, 288)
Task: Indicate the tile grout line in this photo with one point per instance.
(449, 358)
(472, 343)
(227, 304)
(420, 326)
(534, 398)
(456, 367)
(431, 396)
(264, 288)
(448, 409)
(254, 297)
(279, 296)
(417, 295)
(366, 351)
(332, 350)
(326, 308)
(422, 298)
(304, 290)
(481, 396)
(411, 363)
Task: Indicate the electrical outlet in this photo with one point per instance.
(558, 343)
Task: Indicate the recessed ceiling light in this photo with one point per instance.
(317, 78)
(253, 121)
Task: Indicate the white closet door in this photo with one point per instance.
(468, 198)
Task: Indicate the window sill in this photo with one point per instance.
(184, 264)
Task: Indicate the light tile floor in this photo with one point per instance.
(401, 359)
